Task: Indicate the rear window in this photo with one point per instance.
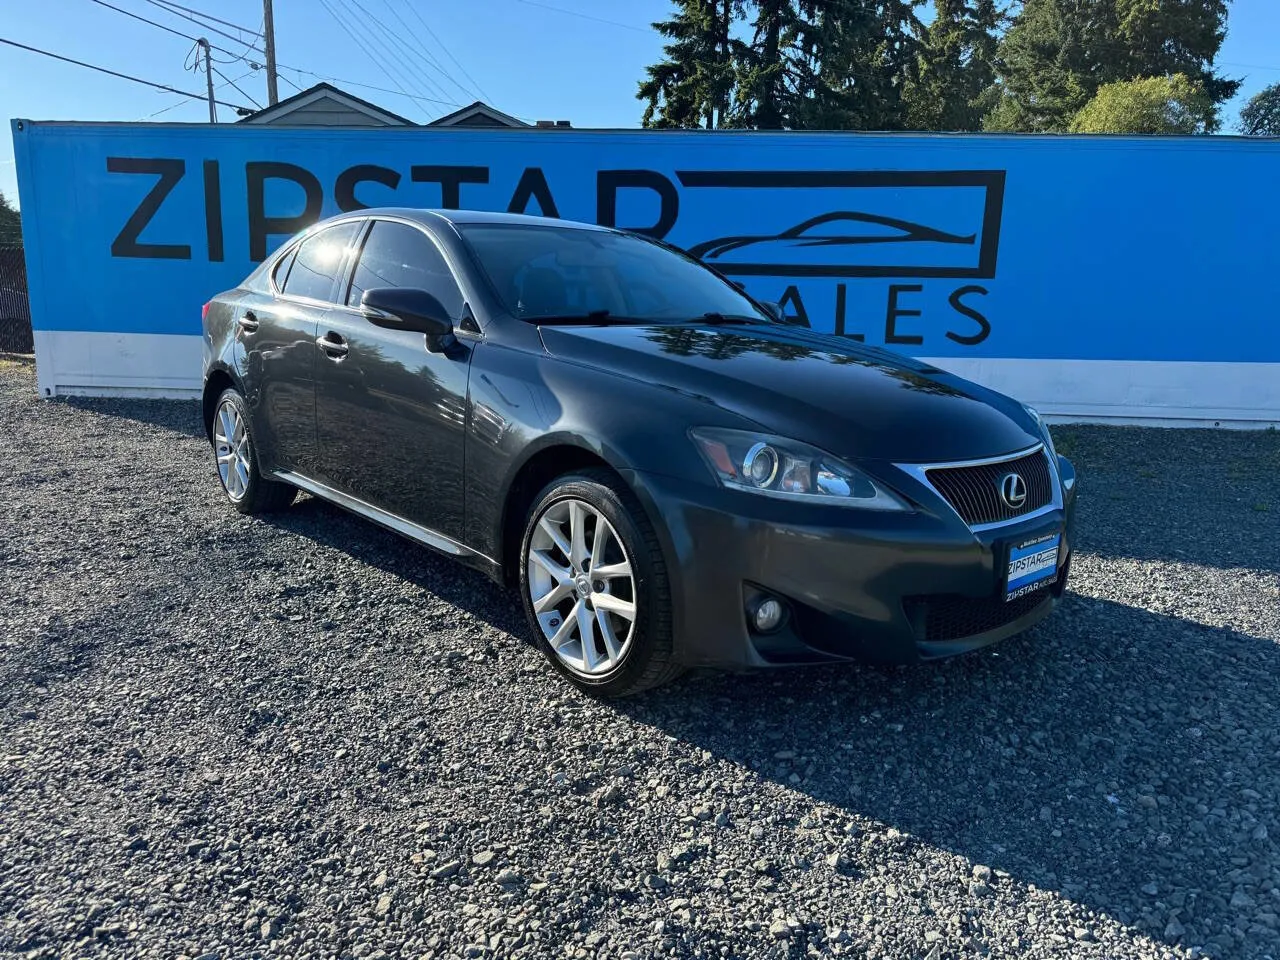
(315, 266)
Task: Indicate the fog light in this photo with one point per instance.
(768, 615)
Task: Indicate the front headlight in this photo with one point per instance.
(1044, 432)
(788, 469)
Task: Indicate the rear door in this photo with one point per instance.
(390, 414)
(278, 328)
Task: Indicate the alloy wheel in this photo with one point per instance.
(231, 445)
(582, 587)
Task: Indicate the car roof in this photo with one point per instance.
(476, 216)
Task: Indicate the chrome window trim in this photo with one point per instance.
(920, 472)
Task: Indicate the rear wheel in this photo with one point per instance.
(595, 588)
(245, 486)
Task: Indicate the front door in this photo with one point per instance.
(390, 414)
(278, 331)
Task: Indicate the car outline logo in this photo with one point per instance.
(910, 232)
(1013, 490)
(871, 198)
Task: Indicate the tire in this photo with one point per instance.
(632, 650)
(237, 462)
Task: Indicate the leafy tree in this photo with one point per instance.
(956, 66)
(1058, 53)
(1261, 115)
(10, 224)
(1152, 105)
(764, 92)
(692, 85)
(784, 64)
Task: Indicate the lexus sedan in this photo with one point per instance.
(670, 474)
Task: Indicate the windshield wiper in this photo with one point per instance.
(724, 319)
(590, 318)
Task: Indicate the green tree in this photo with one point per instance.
(857, 59)
(1058, 53)
(10, 224)
(1261, 115)
(692, 86)
(1152, 105)
(956, 66)
(765, 90)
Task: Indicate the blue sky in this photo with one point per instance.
(538, 59)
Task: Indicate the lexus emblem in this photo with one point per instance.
(1013, 490)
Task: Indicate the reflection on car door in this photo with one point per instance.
(390, 414)
(279, 333)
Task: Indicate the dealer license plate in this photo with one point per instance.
(1032, 565)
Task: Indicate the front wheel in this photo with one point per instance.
(245, 486)
(595, 587)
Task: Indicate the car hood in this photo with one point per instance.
(852, 400)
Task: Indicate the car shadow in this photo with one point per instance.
(1095, 755)
(468, 589)
(1208, 473)
(179, 416)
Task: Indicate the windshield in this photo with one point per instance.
(548, 272)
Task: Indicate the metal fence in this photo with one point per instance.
(15, 310)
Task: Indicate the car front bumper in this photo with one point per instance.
(857, 585)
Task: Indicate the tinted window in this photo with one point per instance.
(397, 255)
(318, 260)
(542, 271)
(282, 268)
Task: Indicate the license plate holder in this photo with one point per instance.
(1032, 565)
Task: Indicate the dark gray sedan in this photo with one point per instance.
(670, 474)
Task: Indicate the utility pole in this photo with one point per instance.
(208, 78)
(269, 33)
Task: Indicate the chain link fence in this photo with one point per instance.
(15, 310)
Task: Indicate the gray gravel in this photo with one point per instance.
(227, 738)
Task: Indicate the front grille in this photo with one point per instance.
(974, 491)
(950, 616)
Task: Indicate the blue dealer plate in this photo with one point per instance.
(1032, 565)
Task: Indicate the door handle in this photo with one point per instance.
(248, 321)
(334, 347)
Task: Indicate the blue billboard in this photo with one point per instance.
(977, 250)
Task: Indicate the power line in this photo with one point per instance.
(237, 86)
(449, 53)
(183, 103)
(359, 42)
(411, 62)
(205, 16)
(168, 29)
(369, 45)
(426, 54)
(200, 23)
(161, 26)
(586, 16)
(366, 86)
(122, 76)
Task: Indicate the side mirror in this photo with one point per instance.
(775, 311)
(407, 308)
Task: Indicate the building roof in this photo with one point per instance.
(478, 114)
(320, 93)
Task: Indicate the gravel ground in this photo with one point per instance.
(228, 738)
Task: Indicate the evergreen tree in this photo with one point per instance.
(10, 224)
(766, 94)
(1261, 115)
(956, 66)
(852, 62)
(1058, 53)
(692, 86)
